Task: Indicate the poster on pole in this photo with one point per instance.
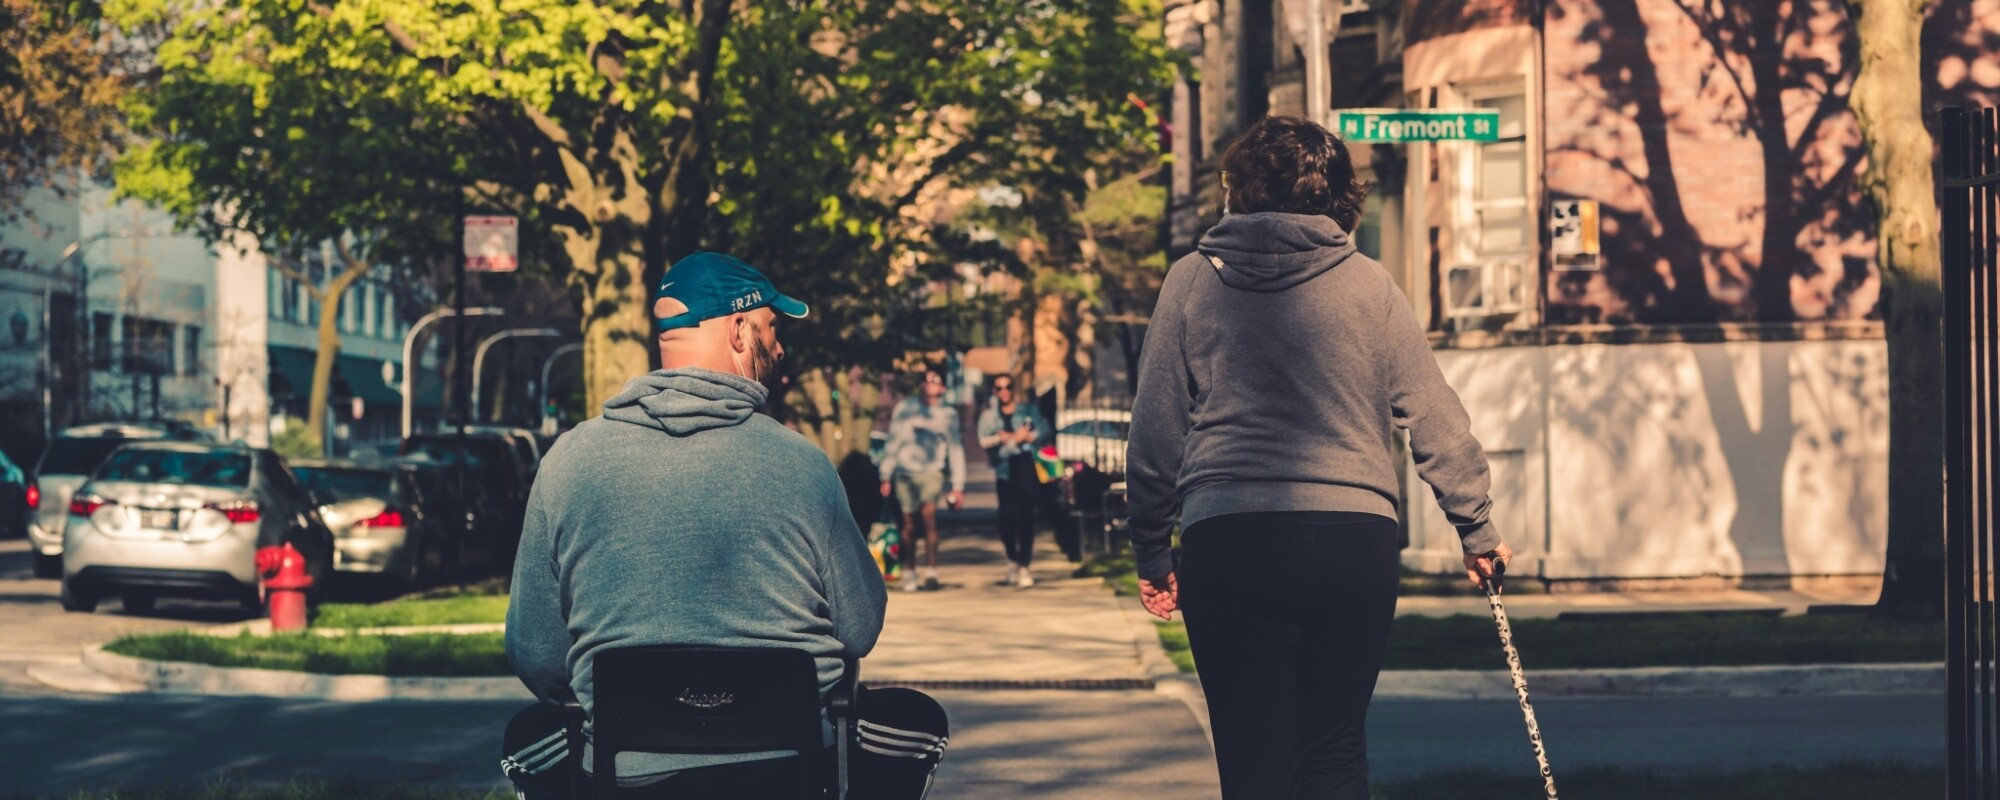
(492, 244)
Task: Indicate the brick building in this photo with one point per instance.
(1703, 393)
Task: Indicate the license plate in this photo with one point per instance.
(160, 520)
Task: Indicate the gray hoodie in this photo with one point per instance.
(1278, 362)
(682, 516)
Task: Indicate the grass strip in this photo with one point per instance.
(1470, 642)
(1841, 781)
(465, 609)
(413, 655)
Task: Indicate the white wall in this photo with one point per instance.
(243, 321)
(1676, 460)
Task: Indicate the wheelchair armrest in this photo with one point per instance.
(840, 703)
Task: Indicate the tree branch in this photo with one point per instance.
(293, 271)
(945, 161)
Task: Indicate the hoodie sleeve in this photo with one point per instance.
(537, 638)
(954, 452)
(1447, 456)
(855, 595)
(1160, 420)
(989, 429)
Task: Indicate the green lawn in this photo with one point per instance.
(1470, 642)
(424, 654)
(1854, 781)
(463, 609)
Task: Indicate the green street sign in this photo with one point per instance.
(1402, 125)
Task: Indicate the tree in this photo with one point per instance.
(1887, 98)
(62, 74)
(255, 141)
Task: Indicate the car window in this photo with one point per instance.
(334, 485)
(179, 467)
(78, 455)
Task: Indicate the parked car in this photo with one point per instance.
(383, 523)
(65, 464)
(186, 520)
(527, 447)
(495, 489)
(1094, 436)
(13, 498)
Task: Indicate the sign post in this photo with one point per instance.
(492, 244)
(1417, 125)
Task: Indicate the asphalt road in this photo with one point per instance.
(1004, 744)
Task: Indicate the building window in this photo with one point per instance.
(149, 346)
(349, 312)
(1500, 180)
(383, 325)
(1488, 275)
(191, 350)
(100, 340)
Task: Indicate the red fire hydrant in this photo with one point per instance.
(282, 570)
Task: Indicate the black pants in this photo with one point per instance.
(903, 735)
(1288, 617)
(1017, 511)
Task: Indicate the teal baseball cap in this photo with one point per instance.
(716, 285)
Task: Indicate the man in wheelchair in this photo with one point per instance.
(682, 518)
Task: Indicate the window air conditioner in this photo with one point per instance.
(1486, 290)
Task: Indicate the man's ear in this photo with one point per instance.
(738, 325)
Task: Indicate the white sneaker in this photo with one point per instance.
(909, 581)
(1027, 578)
(931, 578)
(1013, 576)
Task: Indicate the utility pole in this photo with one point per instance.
(1315, 24)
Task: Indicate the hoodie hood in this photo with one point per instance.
(1272, 252)
(687, 401)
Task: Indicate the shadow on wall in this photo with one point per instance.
(1722, 201)
(1679, 460)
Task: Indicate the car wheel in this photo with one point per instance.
(48, 567)
(77, 599)
(137, 603)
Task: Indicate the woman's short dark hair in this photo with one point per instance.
(1290, 165)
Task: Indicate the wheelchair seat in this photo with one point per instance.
(686, 700)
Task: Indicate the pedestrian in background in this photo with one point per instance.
(1011, 431)
(1277, 366)
(926, 446)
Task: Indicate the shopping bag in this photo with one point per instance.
(885, 543)
(1048, 467)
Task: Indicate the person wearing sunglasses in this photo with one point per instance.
(925, 448)
(1011, 430)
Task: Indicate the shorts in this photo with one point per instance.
(913, 490)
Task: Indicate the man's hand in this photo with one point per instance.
(956, 498)
(1479, 566)
(886, 489)
(1161, 599)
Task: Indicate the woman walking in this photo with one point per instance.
(1277, 365)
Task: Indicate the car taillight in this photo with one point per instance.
(389, 518)
(238, 511)
(86, 505)
(34, 497)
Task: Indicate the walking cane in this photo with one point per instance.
(1492, 587)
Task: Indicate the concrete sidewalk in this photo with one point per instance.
(1527, 606)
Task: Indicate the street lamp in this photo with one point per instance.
(479, 355)
(546, 364)
(409, 343)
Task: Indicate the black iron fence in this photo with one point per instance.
(1971, 243)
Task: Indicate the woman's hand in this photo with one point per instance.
(1161, 599)
(1479, 566)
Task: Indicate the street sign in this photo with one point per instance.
(1406, 125)
(492, 244)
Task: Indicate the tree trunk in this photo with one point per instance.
(1887, 101)
(329, 350)
(617, 327)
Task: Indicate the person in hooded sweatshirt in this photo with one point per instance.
(1278, 365)
(682, 516)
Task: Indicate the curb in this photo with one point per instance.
(1811, 680)
(1167, 678)
(183, 678)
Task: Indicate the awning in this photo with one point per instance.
(353, 376)
(291, 372)
(364, 380)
